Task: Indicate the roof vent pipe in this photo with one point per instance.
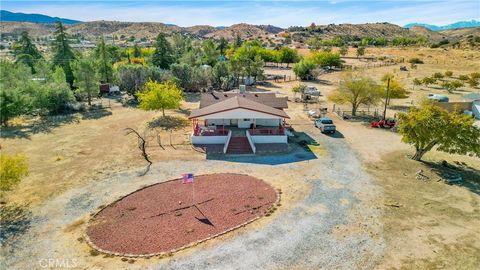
(242, 89)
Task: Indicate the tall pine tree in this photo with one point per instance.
(104, 62)
(163, 55)
(26, 52)
(63, 54)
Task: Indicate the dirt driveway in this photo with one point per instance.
(327, 218)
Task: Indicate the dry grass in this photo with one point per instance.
(434, 225)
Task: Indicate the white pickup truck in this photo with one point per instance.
(325, 125)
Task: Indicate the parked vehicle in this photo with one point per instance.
(325, 125)
(312, 114)
(384, 123)
(438, 98)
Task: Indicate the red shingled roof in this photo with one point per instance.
(269, 98)
(237, 102)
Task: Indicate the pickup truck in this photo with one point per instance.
(325, 125)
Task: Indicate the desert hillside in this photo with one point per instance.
(92, 30)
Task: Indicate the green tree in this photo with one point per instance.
(104, 63)
(396, 89)
(304, 68)
(428, 81)
(12, 169)
(160, 96)
(220, 74)
(300, 88)
(357, 90)
(288, 55)
(237, 41)
(191, 78)
(16, 90)
(222, 46)
(26, 52)
(86, 78)
(430, 126)
(210, 53)
(54, 95)
(63, 54)
(343, 50)
(326, 59)
(163, 55)
(136, 50)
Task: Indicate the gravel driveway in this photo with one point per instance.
(334, 226)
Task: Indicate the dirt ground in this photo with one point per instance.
(426, 224)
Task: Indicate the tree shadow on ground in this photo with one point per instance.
(43, 124)
(264, 84)
(450, 173)
(324, 82)
(15, 220)
(191, 97)
(184, 111)
(403, 108)
(336, 135)
(96, 112)
(130, 102)
(169, 123)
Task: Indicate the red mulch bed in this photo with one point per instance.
(163, 217)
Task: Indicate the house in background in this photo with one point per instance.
(240, 123)
(470, 105)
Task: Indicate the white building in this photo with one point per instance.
(237, 123)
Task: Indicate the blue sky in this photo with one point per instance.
(280, 13)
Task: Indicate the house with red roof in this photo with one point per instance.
(240, 123)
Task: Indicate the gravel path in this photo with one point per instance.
(327, 218)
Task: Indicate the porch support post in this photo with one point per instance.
(223, 125)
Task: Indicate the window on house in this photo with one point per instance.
(246, 119)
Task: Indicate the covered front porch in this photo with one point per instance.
(239, 135)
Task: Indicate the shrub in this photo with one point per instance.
(415, 60)
(475, 75)
(12, 169)
(303, 68)
(326, 59)
(438, 75)
(472, 82)
(448, 73)
(463, 77)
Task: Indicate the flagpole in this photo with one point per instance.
(193, 193)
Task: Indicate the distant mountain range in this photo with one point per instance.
(457, 25)
(7, 16)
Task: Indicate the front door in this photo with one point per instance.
(234, 122)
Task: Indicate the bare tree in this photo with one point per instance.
(142, 144)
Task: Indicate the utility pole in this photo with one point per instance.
(386, 100)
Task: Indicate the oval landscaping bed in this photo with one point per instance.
(170, 216)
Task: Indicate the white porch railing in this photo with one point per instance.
(250, 141)
(225, 147)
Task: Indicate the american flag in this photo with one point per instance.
(187, 178)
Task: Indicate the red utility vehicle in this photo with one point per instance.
(384, 123)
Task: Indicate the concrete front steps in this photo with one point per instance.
(239, 145)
